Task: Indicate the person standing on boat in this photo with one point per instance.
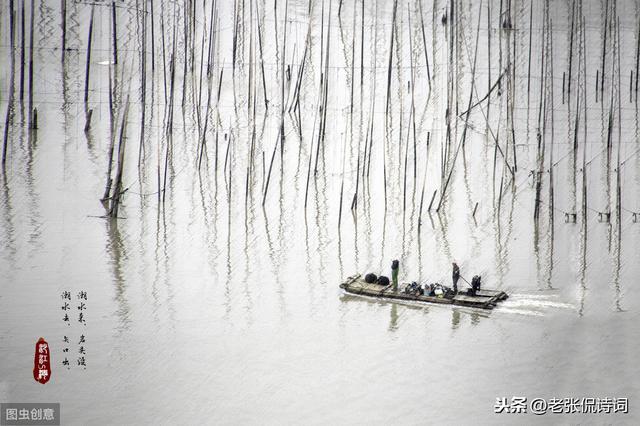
(395, 266)
(455, 275)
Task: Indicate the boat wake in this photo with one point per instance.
(525, 312)
(533, 304)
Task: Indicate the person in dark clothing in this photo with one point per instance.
(395, 265)
(455, 275)
(475, 284)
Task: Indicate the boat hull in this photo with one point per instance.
(484, 299)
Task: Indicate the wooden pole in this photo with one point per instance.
(88, 64)
(530, 39)
(573, 13)
(114, 31)
(604, 44)
(112, 126)
(22, 49)
(31, 120)
(117, 191)
(153, 39)
(11, 82)
(424, 181)
(424, 43)
(63, 11)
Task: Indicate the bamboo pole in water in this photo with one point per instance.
(424, 44)
(63, 12)
(143, 82)
(513, 64)
(206, 122)
(413, 102)
(226, 153)
(370, 126)
(361, 62)
(584, 150)
(501, 26)
(32, 117)
(122, 140)
(266, 185)
(530, 39)
(353, 60)
(153, 39)
(424, 181)
(411, 117)
(282, 79)
(186, 55)
(637, 58)
(489, 29)
(164, 59)
(325, 101)
(433, 197)
(212, 38)
(540, 152)
(577, 118)
(618, 184)
(446, 145)
(167, 151)
(172, 71)
(250, 162)
(107, 189)
(191, 27)
(234, 39)
(296, 93)
(609, 143)
(551, 167)
(87, 72)
(387, 116)
(11, 83)
(604, 45)
(344, 155)
(354, 201)
(215, 162)
(114, 31)
(250, 82)
(22, 48)
(571, 33)
(320, 108)
(264, 82)
(393, 24)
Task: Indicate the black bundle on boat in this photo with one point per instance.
(382, 280)
(370, 278)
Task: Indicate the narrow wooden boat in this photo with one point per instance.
(484, 299)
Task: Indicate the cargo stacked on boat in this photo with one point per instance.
(372, 286)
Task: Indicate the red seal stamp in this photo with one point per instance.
(42, 362)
